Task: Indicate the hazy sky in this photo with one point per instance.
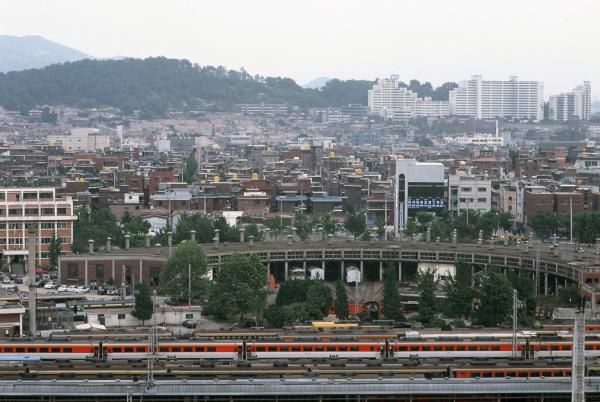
(447, 40)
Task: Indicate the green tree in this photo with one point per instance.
(252, 230)
(191, 169)
(544, 224)
(459, 294)
(355, 224)
(411, 227)
(424, 218)
(495, 297)
(96, 225)
(525, 287)
(238, 288)
(586, 226)
(275, 225)
(303, 225)
(318, 296)
(143, 308)
(341, 300)
(330, 226)
(137, 227)
(54, 248)
(175, 278)
(427, 302)
(392, 306)
(380, 230)
(292, 291)
(200, 223)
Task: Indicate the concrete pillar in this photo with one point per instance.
(112, 271)
(293, 232)
(170, 242)
(480, 238)
(342, 270)
(556, 286)
(193, 235)
(147, 241)
(267, 234)
(268, 271)
(289, 238)
(242, 232)
(251, 240)
(141, 271)
(85, 272)
(330, 238)
(505, 241)
(108, 239)
(91, 246)
(472, 275)
(361, 266)
(454, 237)
(428, 235)
(32, 297)
(217, 236)
(285, 275)
(399, 271)
(437, 240)
(546, 284)
(380, 271)
(304, 266)
(127, 239)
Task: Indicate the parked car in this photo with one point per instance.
(82, 289)
(113, 291)
(190, 324)
(54, 275)
(12, 277)
(19, 280)
(71, 288)
(63, 288)
(6, 279)
(50, 285)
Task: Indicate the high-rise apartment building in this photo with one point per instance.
(390, 100)
(572, 105)
(504, 99)
(40, 208)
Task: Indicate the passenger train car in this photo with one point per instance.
(236, 350)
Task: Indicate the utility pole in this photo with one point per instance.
(515, 322)
(152, 345)
(578, 369)
(32, 302)
(189, 284)
(537, 267)
(571, 218)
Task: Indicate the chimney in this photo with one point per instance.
(31, 246)
(242, 231)
(170, 242)
(217, 231)
(428, 235)
(480, 238)
(267, 234)
(127, 237)
(193, 235)
(108, 239)
(91, 246)
(454, 237)
(330, 238)
(147, 239)
(289, 237)
(251, 240)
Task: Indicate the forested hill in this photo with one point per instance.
(155, 84)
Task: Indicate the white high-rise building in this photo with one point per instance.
(390, 100)
(572, 105)
(491, 99)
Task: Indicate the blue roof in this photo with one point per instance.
(291, 198)
(326, 198)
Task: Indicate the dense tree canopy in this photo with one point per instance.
(298, 301)
(238, 288)
(428, 306)
(392, 307)
(153, 85)
(544, 224)
(460, 295)
(175, 278)
(496, 298)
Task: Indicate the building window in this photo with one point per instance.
(189, 316)
(47, 225)
(72, 271)
(61, 211)
(121, 316)
(481, 199)
(466, 189)
(2, 225)
(482, 189)
(15, 226)
(99, 271)
(15, 212)
(47, 211)
(61, 225)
